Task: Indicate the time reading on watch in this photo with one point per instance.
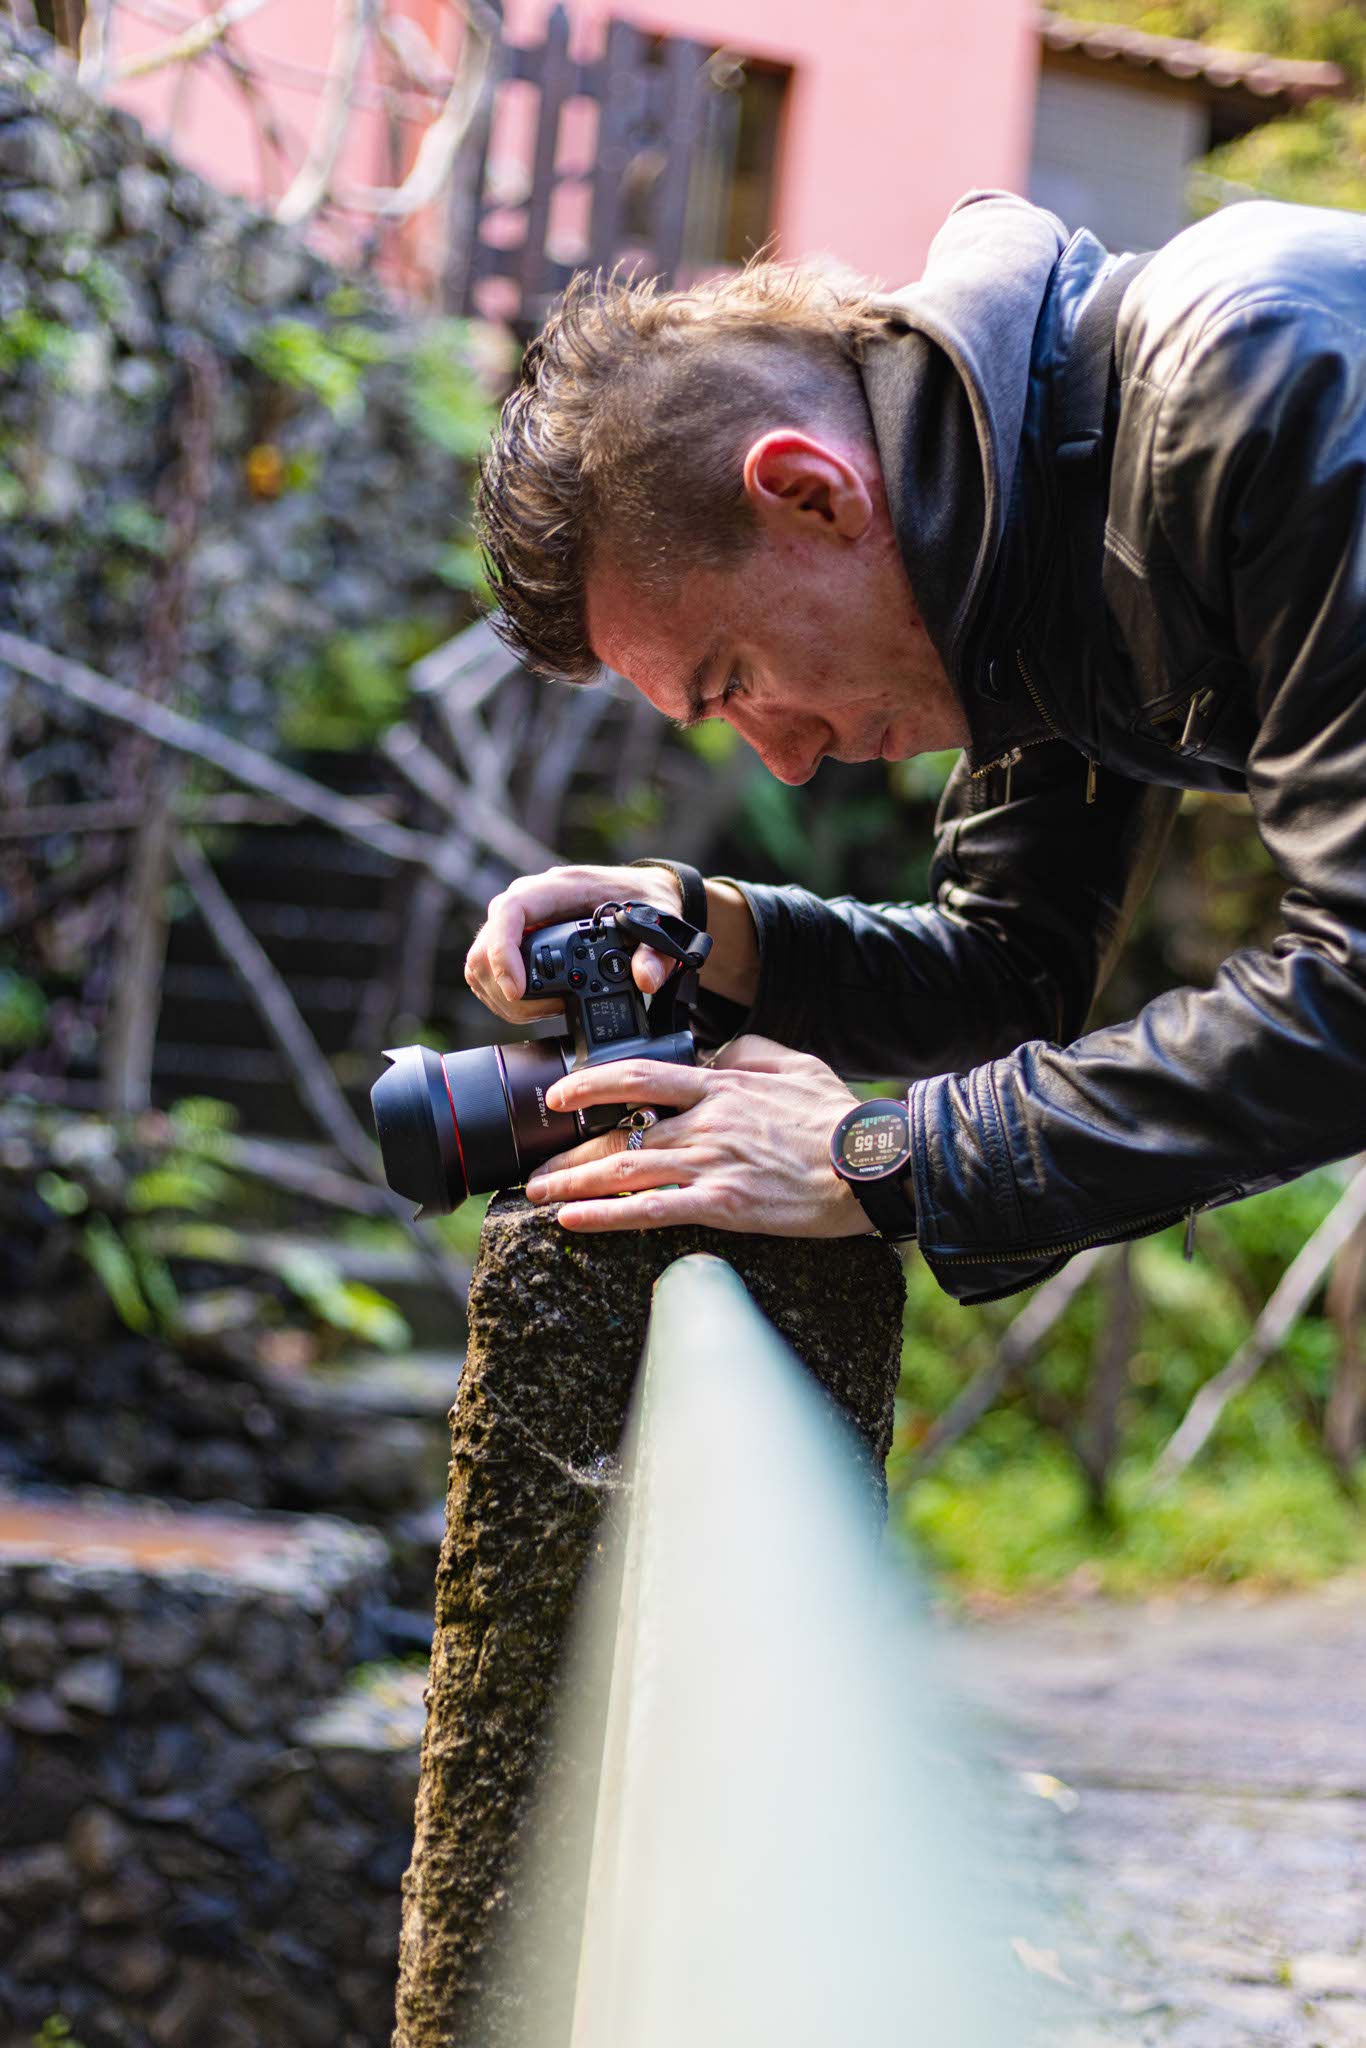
(873, 1140)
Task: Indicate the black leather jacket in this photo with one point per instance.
(1177, 601)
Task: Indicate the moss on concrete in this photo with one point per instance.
(557, 1327)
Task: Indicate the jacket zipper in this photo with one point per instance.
(1138, 1227)
(1014, 754)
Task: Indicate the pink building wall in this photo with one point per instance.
(893, 112)
(895, 109)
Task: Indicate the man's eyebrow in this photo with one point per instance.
(696, 711)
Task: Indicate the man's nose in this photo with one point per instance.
(792, 752)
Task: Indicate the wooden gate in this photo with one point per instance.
(664, 108)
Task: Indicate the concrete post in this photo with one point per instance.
(557, 1327)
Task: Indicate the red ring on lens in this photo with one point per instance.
(455, 1126)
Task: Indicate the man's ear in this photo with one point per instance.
(798, 484)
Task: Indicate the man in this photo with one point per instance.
(1100, 523)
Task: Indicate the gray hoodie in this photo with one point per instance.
(947, 392)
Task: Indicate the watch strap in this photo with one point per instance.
(888, 1205)
(690, 882)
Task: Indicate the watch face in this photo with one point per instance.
(872, 1140)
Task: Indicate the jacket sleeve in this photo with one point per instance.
(1259, 482)
(1030, 899)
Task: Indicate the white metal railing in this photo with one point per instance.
(786, 1845)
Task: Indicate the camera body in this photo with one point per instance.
(462, 1123)
(587, 964)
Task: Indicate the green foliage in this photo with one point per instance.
(461, 1229)
(137, 1281)
(1323, 30)
(345, 1305)
(201, 1121)
(713, 740)
(135, 525)
(446, 402)
(1007, 1510)
(183, 1182)
(185, 1179)
(813, 843)
(64, 1197)
(356, 685)
(55, 2032)
(1316, 158)
(327, 363)
(23, 1012)
(445, 399)
(1023, 1527)
(461, 565)
(640, 810)
(26, 338)
(102, 282)
(922, 778)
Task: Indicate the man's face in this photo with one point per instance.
(809, 644)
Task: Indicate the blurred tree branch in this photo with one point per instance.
(1298, 1285)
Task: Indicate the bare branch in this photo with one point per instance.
(309, 187)
(317, 1084)
(1298, 1284)
(437, 150)
(97, 39)
(77, 881)
(244, 764)
(193, 43)
(464, 804)
(417, 65)
(1017, 1347)
(300, 1170)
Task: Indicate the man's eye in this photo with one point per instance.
(732, 689)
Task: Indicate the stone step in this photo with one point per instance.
(346, 940)
(386, 1711)
(175, 1850)
(401, 1275)
(255, 1082)
(420, 1385)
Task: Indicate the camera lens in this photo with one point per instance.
(470, 1122)
(416, 1128)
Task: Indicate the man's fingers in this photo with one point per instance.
(612, 1176)
(755, 1055)
(651, 1081)
(656, 1209)
(606, 1146)
(651, 969)
(502, 945)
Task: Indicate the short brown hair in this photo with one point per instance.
(629, 423)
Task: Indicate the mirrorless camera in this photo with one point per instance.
(462, 1123)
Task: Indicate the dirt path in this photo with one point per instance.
(1209, 1812)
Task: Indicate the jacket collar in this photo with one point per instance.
(949, 389)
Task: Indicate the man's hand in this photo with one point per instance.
(493, 967)
(749, 1149)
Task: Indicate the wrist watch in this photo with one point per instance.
(870, 1149)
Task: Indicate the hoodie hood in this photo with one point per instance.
(947, 391)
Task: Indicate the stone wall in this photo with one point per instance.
(323, 515)
(182, 1862)
(204, 1408)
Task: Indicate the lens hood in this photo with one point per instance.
(417, 1135)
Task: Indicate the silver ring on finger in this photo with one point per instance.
(637, 1124)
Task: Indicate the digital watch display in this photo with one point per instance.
(870, 1149)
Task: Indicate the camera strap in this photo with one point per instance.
(676, 939)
